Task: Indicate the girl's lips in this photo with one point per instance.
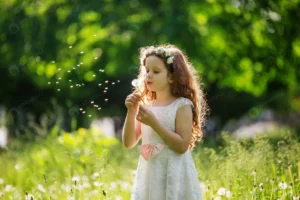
(148, 83)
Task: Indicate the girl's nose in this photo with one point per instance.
(149, 76)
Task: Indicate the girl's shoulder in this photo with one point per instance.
(181, 101)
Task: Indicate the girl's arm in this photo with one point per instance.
(180, 139)
(131, 133)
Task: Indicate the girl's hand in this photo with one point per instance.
(146, 116)
(132, 102)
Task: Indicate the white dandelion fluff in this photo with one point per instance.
(222, 191)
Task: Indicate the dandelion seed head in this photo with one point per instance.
(222, 191)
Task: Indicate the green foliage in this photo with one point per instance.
(251, 168)
(49, 167)
(251, 47)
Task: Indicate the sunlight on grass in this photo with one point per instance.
(86, 164)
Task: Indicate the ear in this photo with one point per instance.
(170, 79)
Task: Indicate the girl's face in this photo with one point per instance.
(157, 74)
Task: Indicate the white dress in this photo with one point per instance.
(169, 175)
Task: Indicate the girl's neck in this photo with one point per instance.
(163, 99)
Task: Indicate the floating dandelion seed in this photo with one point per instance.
(113, 83)
(74, 68)
(104, 91)
(106, 99)
(49, 82)
(69, 71)
(59, 78)
(90, 115)
(57, 82)
(118, 81)
(99, 84)
(59, 69)
(53, 61)
(96, 58)
(83, 112)
(70, 47)
(92, 102)
(82, 52)
(94, 75)
(70, 80)
(81, 63)
(94, 35)
(96, 106)
(106, 81)
(99, 108)
(106, 88)
(80, 108)
(71, 86)
(58, 89)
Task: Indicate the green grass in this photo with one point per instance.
(87, 165)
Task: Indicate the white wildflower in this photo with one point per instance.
(160, 50)
(228, 194)
(8, 188)
(282, 185)
(29, 197)
(168, 53)
(203, 187)
(222, 191)
(95, 175)
(170, 60)
(41, 188)
(75, 178)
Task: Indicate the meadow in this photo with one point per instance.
(85, 164)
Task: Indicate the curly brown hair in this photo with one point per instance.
(186, 83)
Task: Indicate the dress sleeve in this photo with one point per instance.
(184, 101)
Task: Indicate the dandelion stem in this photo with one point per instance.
(272, 190)
(140, 93)
(299, 169)
(291, 175)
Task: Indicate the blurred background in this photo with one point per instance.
(66, 66)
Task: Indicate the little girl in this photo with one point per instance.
(167, 110)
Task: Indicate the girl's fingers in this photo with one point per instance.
(142, 108)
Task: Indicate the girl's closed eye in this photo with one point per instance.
(154, 72)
